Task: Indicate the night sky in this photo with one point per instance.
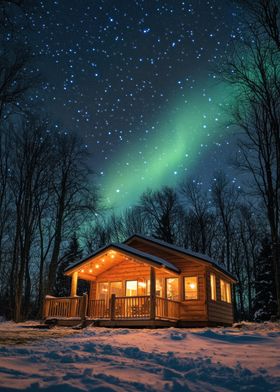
(136, 79)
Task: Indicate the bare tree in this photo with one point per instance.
(73, 199)
(199, 216)
(254, 72)
(225, 200)
(161, 209)
(29, 170)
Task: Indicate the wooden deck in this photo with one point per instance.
(118, 311)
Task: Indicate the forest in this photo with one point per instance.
(52, 213)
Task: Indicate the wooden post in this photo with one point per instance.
(74, 283)
(46, 307)
(112, 306)
(84, 306)
(152, 293)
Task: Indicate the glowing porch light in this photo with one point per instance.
(96, 265)
(82, 270)
(90, 270)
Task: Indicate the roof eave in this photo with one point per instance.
(145, 258)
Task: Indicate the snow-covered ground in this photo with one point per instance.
(99, 359)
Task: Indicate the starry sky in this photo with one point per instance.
(136, 78)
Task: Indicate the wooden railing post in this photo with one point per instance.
(46, 307)
(112, 306)
(152, 294)
(73, 306)
(84, 306)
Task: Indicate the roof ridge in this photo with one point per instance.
(187, 251)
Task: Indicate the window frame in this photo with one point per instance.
(131, 280)
(227, 291)
(213, 287)
(98, 290)
(178, 291)
(110, 286)
(184, 288)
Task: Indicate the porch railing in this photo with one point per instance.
(98, 308)
(132, 307)
(117, 308)
(62, 307)
(167, 309)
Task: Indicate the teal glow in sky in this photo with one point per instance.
(134, 79)
(190, 126)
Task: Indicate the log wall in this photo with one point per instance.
(218, 311)
(190, 310)
(202, 309)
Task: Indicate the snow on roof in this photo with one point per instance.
(133, 251)
(185, 251)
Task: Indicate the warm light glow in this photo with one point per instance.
(191, 287)
(103, 261)
(172, 288)
(82, 270)
(142, 284)
(213, 287)
(96, 265)
(90, 270)
(131, 288)
(112, 256)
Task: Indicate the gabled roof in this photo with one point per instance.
(188, 252)
(156, 261)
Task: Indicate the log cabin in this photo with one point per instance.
(145, 282)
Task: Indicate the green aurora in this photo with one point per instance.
(167, 154)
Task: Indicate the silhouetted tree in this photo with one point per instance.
(161, 208)
(253, 71)
(72, 254)
(265, 303)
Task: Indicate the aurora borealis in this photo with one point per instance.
(136, 79)
(187, 130)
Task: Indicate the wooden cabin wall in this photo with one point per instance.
(191, 310)
(218, 311)
(201, 310)
(127, 270)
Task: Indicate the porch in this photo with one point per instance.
(126, 287)
(118, 311)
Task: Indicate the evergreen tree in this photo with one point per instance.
(265, 304)
(72, 254)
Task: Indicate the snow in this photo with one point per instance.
(244, 358)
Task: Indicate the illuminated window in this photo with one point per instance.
(172, 288)
(131, 288)
(116, 288)
(103, 290)
(159, 287)
(225, 291)
(142, 287)
(190, 285)
(213, 287)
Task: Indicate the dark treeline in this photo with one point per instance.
(51, 216)
(44, 180)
